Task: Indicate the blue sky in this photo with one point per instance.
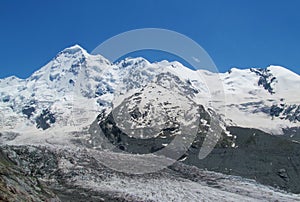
(235, 33)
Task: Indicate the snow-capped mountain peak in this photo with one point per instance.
(279, 70)
(129, 62)
(73, 49)
(76, 81)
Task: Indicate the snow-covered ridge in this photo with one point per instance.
(70, 91)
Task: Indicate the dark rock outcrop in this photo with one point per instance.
(45, 119)
(266, 79)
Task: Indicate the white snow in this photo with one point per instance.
(68, 83)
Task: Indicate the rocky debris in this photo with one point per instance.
(76, 175)
(15, 185)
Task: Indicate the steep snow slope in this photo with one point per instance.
(252, 94)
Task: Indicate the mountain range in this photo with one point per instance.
(81, 110)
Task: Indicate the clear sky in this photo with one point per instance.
(235, 33)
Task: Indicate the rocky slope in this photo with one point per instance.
(16, 185)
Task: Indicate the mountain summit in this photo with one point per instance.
(266, 99)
